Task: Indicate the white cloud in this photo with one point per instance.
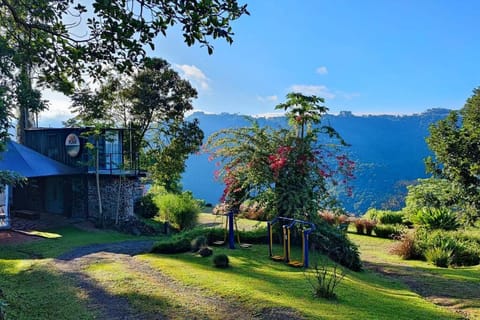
(194, 75)
(58, 110)
(267, 98)
(321, 91)
(322, 70)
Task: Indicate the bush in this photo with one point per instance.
(369, 226)
(328, 216)
(198, 242)
(441, 257)
(205, 251)
(359, 225)
(387, 231)
(391, 217)
(146, 207)
(323, 280)
(464, 252)
(173, 246)
(336, 245)
(180, 210)
(407, 247)
(436, 218)
(220, 261)
(182, 242)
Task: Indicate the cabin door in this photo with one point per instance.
(54, 195)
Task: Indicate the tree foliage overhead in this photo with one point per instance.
(63, 38)
(455, 142)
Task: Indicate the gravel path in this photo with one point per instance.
(111, 307)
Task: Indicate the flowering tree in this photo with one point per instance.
(288, 171)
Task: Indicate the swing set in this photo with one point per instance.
(287, 225)
(231, 228)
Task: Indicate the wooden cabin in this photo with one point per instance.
(62, 167)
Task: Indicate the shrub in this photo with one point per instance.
(336, 245)
(328, 216)
(359, 225)
(205, 251)
(180, 210)
(369, 226)
(466, 254)
(180, 242)
(323, 280)
(391, 217)
(146, 207)
(407, 247)
(220, 261)
(436, 218)
(173, 246)
(463, 252)
(441, 257)
(387, 231)
(198, 242)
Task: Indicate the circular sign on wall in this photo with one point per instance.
(72, 144)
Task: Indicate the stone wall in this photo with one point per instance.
(118, 196)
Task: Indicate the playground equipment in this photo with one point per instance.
(287, 225)
(230, 228)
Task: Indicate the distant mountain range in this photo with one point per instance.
(388, 151)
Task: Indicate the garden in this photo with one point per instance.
(418, 263)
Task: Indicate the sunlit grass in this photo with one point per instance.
(258, 282)
(34, 289)
(452, 287)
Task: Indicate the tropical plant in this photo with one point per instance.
(436, 218)
(288, 171)
(439, 256)
(324, 280)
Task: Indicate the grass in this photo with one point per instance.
(258, 282)
(457, 288)
(33, 289)
(254, 282)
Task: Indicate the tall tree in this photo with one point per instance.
(66, 37)
(152, 102)
(62, 41)
(455, 142)
(289, 171)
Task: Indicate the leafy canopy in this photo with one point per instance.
(64, 38)
(152, 104)
(455, 143)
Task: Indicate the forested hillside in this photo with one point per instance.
(388, 150)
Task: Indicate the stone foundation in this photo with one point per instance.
(118, 197)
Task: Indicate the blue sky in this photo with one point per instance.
(368, 57)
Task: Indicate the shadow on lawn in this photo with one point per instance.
(458, 289)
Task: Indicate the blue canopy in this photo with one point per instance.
(30, 164)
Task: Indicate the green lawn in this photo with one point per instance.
(33, 289)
